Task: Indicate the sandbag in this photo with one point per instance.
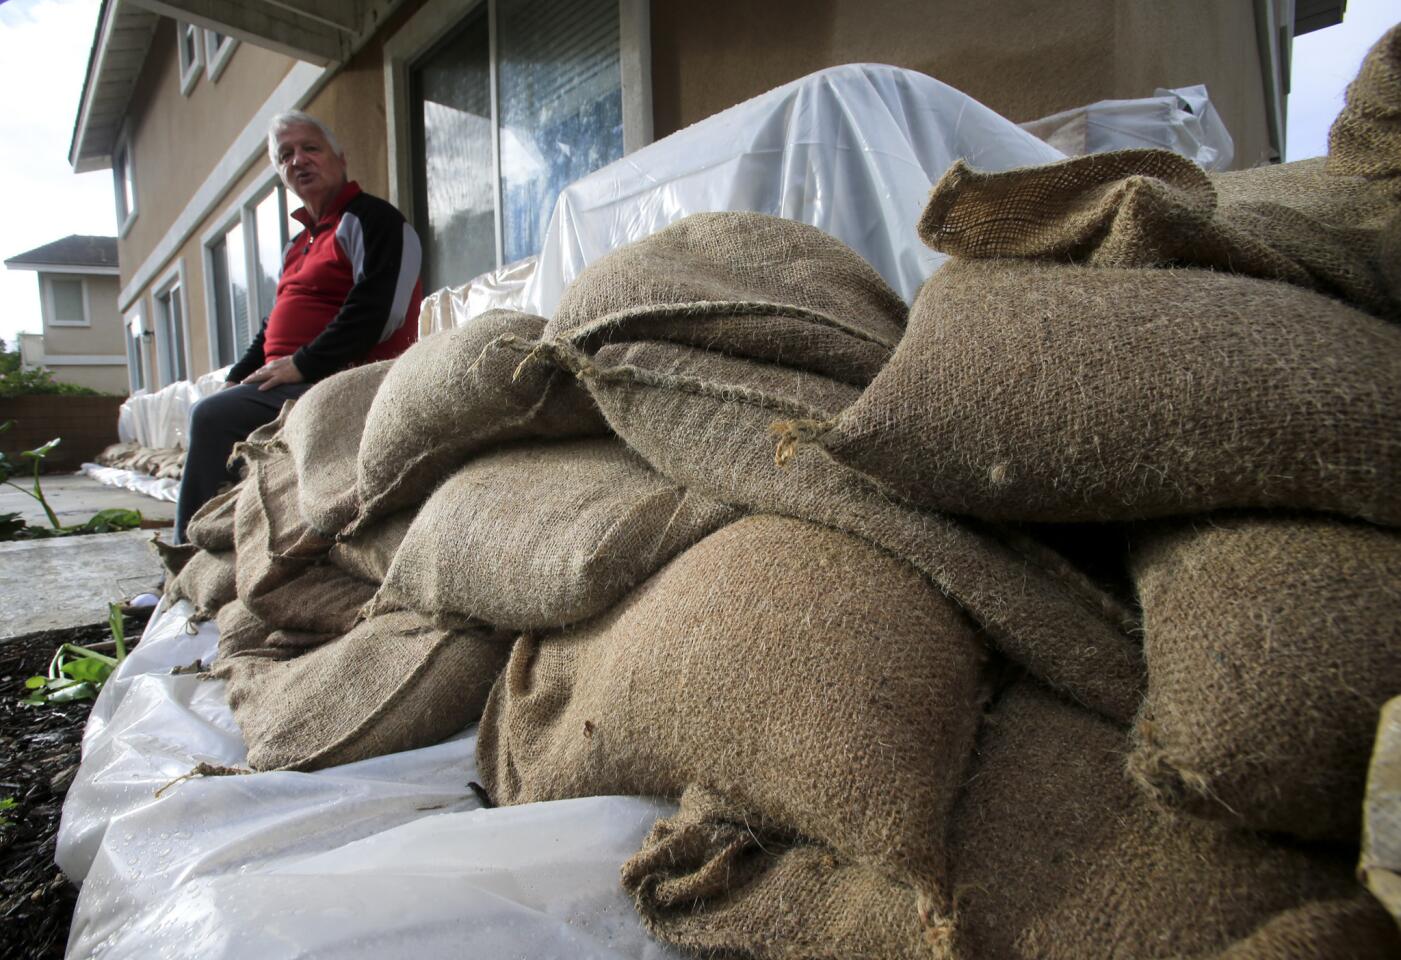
(1365, 140)
(273, 541)
(705, 420)
(208, 579)
(319, 598)
(747, 284)
(713, 879)
(371, 550)
(452, 395)
(212, 526)
(395, 682)
(543, 535)
(1039, 392)
(1272, 642)
(323, 433)
(1056, 854)
(804, 675)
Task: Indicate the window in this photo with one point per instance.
(135, 354)
(68, 302)
(170, 329)
(191, 55)
(243, 263)
(124, 184)
(217, 50)
(517, 99)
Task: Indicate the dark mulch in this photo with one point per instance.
(39, 752)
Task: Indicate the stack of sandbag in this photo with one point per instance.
(161, 463)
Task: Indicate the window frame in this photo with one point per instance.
(240, 212)
(124, 173)
(134, 326)
(51, 314)
(191, 67)
(217, 54)
(171, 285)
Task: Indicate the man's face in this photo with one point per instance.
(309, 167)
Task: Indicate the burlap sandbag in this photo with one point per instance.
(1056, 854)
(1272, 642)
(274, 542)
(320, 598)
(1031, 391)
(208, 579)
(801, 673)
(746, 284)
(1365, 140)
(212, 526)
(393, 683)
(243, 633)
(543, 535)
(369, 553)
(452, 395)
(714, 880)
(323, 433)
(704, 421)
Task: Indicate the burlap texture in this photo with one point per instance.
(1032, 391)
(543, 535)
(369, 553)
(207, 579)
(393, 683)
(320, 598)
(1055, 854)
(323, 433)
(1354, 928)
(704, 421)
(715, 880)
(795, 670)
(274, 542)
(212, 526)
(173, 556)
(1296, 223)
(1365, 140)
(747, 284)
(1272, 642)
(452, 395)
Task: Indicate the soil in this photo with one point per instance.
(39, 752)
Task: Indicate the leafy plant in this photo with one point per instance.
(13, 526)
(6, 805)
(77, 672)
(15, 381)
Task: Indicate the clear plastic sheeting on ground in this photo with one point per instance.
(160, 419)
(852, 150)
(1181, 120)
(159, 488)
(390, 857)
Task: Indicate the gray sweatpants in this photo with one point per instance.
(218, 422)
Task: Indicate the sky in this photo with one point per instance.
(44, 48)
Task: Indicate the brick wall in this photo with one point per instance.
(86, 424)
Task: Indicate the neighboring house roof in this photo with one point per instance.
(96, 254)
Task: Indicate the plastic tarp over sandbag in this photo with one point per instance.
(449, 307)
(852, 150)
(160, 419)
(1182, 120)
(390, 857)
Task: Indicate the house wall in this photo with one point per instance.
(103, 335)
(1023, 58)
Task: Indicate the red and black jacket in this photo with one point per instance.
(349, 291)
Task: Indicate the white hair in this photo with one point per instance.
(296, 118)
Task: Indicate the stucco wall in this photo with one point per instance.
(108, 378)
(1023, 58)
(103, 335)
(177, 140)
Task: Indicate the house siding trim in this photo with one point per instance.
(302, 83)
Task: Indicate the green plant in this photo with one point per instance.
(13, 526)
(6, 805)
(15, 381)
(77, 672)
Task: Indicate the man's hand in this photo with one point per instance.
(274, 374)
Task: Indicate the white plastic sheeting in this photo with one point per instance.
(159, 488)
(387, 858)
(852, 150)
(1181, 120)
(497, 289)
(160, 419)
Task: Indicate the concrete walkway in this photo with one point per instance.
(68, 581)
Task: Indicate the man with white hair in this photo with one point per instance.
(349, 294)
